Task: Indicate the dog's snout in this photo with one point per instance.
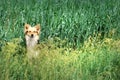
(32, 35)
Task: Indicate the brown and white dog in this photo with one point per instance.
(32, 38)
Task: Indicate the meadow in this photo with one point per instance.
(80, 40)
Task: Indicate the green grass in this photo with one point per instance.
(74, 20)
(94, 61)
(80, 40)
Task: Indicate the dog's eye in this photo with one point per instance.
(26, 32)
(35, 31)
(29, 31)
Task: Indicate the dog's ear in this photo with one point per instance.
(26, 26)
(38, 28)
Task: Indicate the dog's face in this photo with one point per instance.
(32, 32)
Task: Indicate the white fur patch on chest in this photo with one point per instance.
(31, 42)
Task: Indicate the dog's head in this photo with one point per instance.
(32, 31)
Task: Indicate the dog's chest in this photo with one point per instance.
(31, 42)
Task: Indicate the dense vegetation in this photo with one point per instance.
(80, 40)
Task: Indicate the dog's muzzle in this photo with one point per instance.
(32, 36)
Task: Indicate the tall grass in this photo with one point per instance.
(79, 40)
(94, 61)
(74, 20)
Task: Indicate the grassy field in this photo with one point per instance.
(80, 40)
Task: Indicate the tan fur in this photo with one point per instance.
(31, 37)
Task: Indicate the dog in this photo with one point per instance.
(31, 38)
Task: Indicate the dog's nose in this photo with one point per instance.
(31, 35)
